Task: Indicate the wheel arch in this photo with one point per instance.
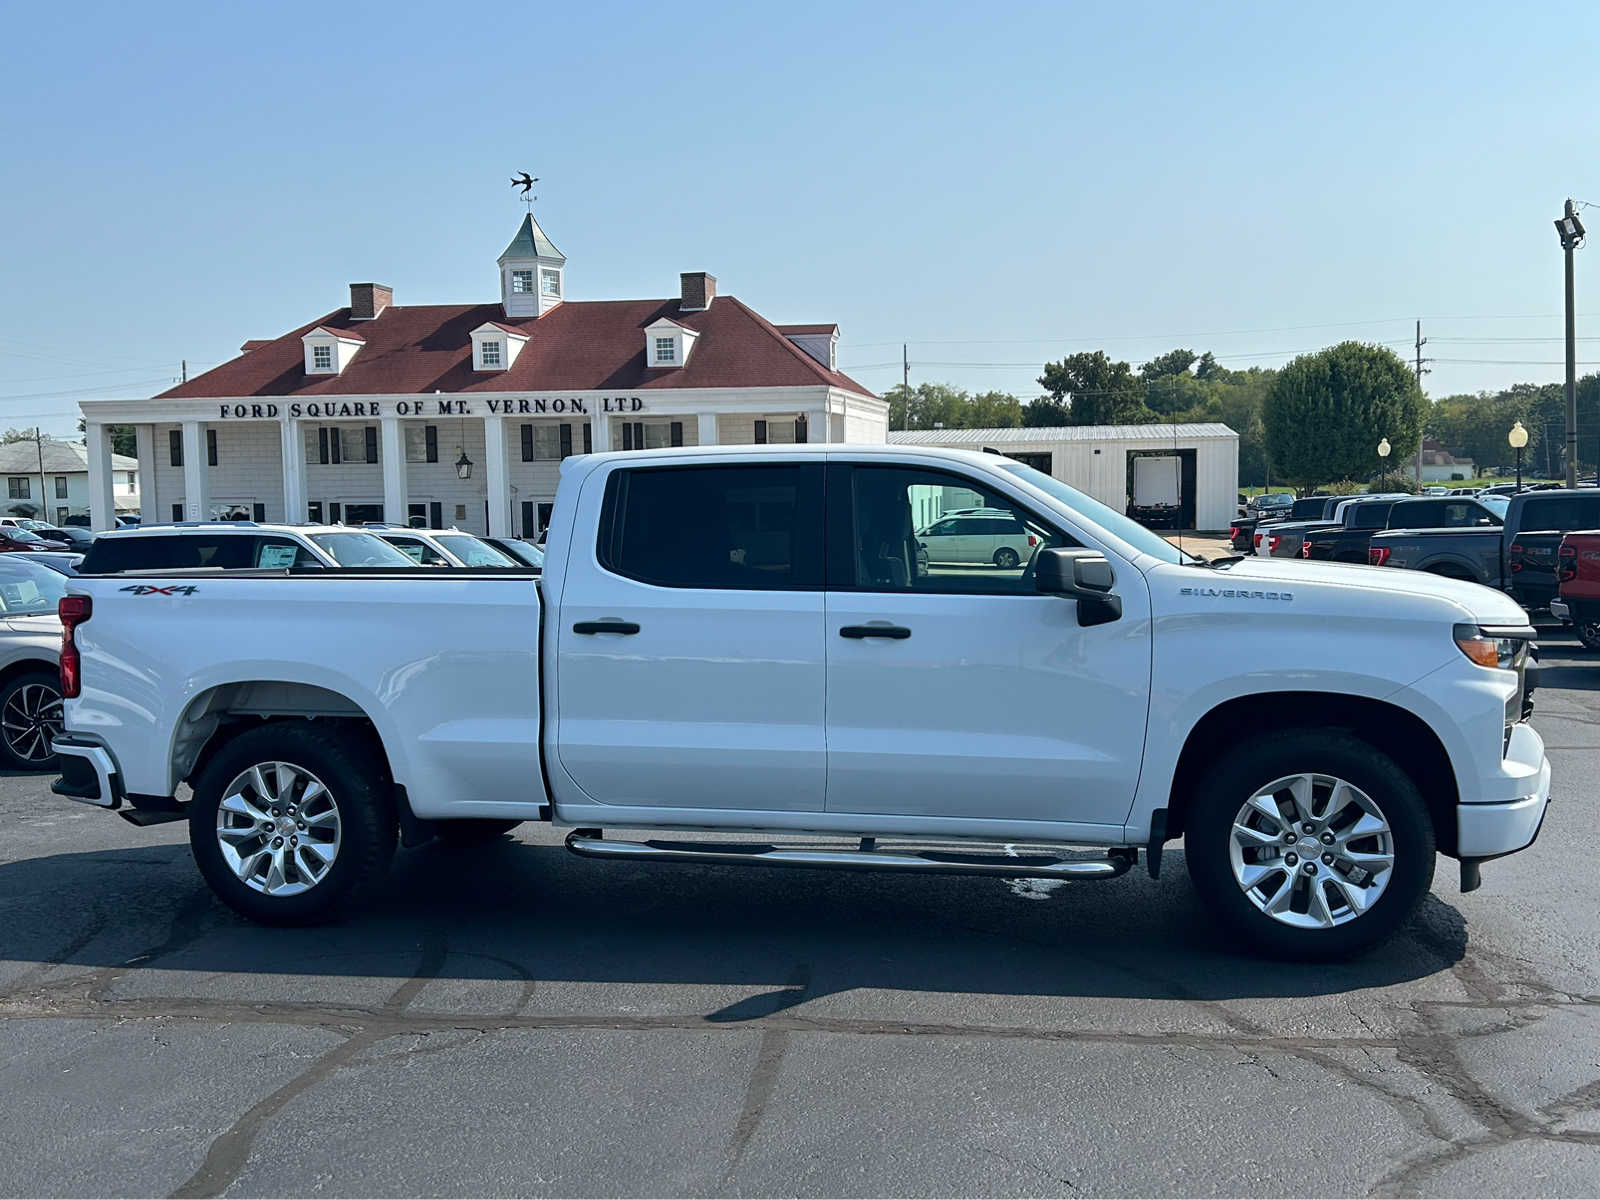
(24, 666)
(1397, 732)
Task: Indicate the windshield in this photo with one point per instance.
(1109, 519)
(23, 535)
(1496, 504)
(28, 589)
(474, 553)
(526, 551)
(361, 550)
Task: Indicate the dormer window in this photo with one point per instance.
(491, 355)
(522, 283)
(666, 350)
(668, 344)
(495, 347)
(322, 358)
(549, 282)
(329, 351)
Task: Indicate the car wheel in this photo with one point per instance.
(30, 719)
(1006, 558)
(472, 833)
(291, 825)
(1309, 844)
(1588, 633)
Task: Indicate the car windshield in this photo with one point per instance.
(1109, 519)
(361, 550)
(526, 551)
(1496, 504)
(28, 589)
(24, 535)
(475, 553)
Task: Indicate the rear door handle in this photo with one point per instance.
(897, 632)
(605, 627)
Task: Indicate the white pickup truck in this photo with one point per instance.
(746, 639)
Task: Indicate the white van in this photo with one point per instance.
(978, 535)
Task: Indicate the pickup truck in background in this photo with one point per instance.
(1287, 540)
(1241, 533)
(1350, 541)
(1518, 558)
(1578, 577)
(739, 640)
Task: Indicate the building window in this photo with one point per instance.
(761, 433)
(177, 512)
(522, 283)
(61, 487)
(665, 351)
(314, 512)
(17, 486)
(491, 354)
(422, 443)
(357, 443)
(541, 442)
(61, 514)
(175, 447)
(322, 358)
(549, 282)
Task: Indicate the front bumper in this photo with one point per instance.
(1560, 611)
(1490, 829)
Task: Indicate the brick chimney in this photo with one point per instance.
(367, 300)
(699, 289)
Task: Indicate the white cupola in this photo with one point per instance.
(532, 273)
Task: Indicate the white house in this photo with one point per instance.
(57, 490)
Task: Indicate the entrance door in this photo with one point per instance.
(960, 691)
(690, 668)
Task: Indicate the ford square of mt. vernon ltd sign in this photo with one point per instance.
(431, 406)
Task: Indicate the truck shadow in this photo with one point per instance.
(521, 911)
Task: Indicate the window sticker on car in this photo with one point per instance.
(277, 556)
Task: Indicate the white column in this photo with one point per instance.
(102, 512)
(600, 425)
(292, 450)
(144, 437)
(817, 425)
(496, 476)
(707, 433)
(196, 475)
(392, 454)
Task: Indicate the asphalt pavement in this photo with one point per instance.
(513, 1020)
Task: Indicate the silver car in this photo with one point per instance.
(30, 681)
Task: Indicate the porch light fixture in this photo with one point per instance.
(463, 466)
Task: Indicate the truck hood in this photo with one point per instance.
(1292, 574)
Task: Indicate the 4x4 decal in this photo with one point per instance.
(150, 589)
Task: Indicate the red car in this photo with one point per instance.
(1578, 577)
(12, 538)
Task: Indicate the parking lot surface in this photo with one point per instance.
(515, 1020)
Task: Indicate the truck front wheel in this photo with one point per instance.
(290, 825)
(1310, 844)
(1588, 631)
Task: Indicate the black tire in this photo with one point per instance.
(1588, 633)
(472, 833)
(1006, 558)
(30, 718)
(1208, 831)
(349, 766)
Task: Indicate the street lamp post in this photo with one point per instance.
(1383, 460)
(1518, 438)
(1570, 230)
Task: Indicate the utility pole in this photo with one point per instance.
(1421, 342)
(38, 445)
(905, 381)
(185, 378)
(1570, 230)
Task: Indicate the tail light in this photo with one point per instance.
(1272, 544)
(1515, 556)
(1567, 568)
(1233, 531)
(1259, 536)
(1378, 556)
(73, 611)
(1032, 541)
(1305, 549)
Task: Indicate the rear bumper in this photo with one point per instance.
(88, 772)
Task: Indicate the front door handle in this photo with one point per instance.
(897, 632)
(605, 627)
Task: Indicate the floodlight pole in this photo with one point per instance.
(1569, 243)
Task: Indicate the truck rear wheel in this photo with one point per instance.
(1310, 844)
(290, 825)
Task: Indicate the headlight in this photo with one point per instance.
(1499, 648)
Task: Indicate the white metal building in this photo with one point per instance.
(1098, 459)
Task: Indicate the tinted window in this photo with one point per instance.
(1416, 514)
(741, 527)
(1108, 519)
(1306, 509)
(1371, 516)
(1561, 512)
(169, 552)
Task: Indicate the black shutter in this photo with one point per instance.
(372, 443)
(435, 515)
(314, 512)
(627, 435)
(527, 443)
(258, 512)
(211, 447)
(677, 433)
(175, 446)
(336, 443)
(761, 433)
(334, 515)
(566, 440)
(430, 439)
(322, 443)
(177, 512)
(800, 429)
(638, 435)
(588, 439)
(528, 528)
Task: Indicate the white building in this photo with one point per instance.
(459, 414)
(1098, 460)
(57, 489)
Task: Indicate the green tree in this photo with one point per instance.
(1046, 412)
(16, 434)
(1173, 362)
(1326, 412)
(995, 410)
(938, 405)
(1098, 390)
(124, 440)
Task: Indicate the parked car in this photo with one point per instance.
(1578, 578)
(444, 547)
(14, 539)
(1519, 557)
(666, 679)
(77, 537)
(1465, 491)
(1287, 539)
(1350, 541)
(38, 529)
(1241, 533)
(984, 536)
(519, 548)
(30, 683)
(1271, 504)
(63, 562)
(237, 546)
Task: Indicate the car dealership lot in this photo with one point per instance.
(515, 1020)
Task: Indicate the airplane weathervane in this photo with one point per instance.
(525, 181)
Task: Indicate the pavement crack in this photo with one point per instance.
(758, 1091)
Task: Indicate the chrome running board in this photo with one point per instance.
(590, 843)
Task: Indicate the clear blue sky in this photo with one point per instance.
(995, 184)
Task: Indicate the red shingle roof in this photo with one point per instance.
(349, 334)
(576, 346)
(254, 344)
(828, 327)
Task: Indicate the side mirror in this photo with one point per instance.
(1082, 575)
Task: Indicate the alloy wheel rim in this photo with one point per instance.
(1311, 851)
(31, 721)
(279, 829)
(1589, 632)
